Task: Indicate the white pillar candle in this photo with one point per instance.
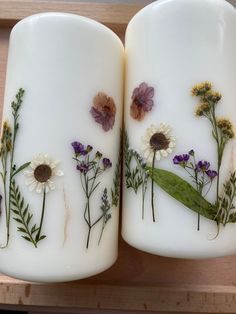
(170, 47)
(59, 221)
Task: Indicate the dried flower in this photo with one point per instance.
(82, 167)
(79, 148)
(106, 163)
(211, 174)
(181, 159)
(39, 177)
(104, 111)
(226, 127)
(202, 109)
(213, 96)
(158, 141)
(191, 152)
(201, 89)
(142, 101)
(6, 139)
(203, 166)
(98, 155)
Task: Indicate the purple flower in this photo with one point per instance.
(79, 148)
(103, 111)
(211, 174)
(106, 163)
(142, 101)
(82, 167)
(203, 166)
(181, 159)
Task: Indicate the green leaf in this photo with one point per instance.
(21, 230)
(18, 220)
(26, 238)
(21, 168)
(183, 192)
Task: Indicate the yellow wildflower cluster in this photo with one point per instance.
(202, 109)
(201, 89)
(226, 127)
(6, 142)
(212, 96)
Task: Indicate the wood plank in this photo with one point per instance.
(115, 16)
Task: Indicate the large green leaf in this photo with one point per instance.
(183, 192)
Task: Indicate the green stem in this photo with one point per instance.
(152, 188)
(42, 214)
(103, 227)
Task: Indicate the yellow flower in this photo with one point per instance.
(201, 89)
(226, 127)
(6, 142)
(202, 108)
(213, 96)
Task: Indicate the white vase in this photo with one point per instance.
(170, 47)
(59, 217)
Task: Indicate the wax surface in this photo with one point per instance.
(171, 45)
(63, 61)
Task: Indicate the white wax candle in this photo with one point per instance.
(170, 47)
(70, 69)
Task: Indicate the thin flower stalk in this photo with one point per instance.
(90, 167)
(222, 129)
(199, 172)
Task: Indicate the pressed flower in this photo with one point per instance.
(41, 173)
(202, 109)
(181, 159)
(104, 111)
(213, 96)
(98, 155)
(79, 148)
(142, 101)
(226, 127)
(211, 174)
(106, 163)
(203, 166)
(201, 89)
(191, 152)
(6, 139)
(158, 141)
(82, 167)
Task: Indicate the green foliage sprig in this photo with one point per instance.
(106, 215)
(30, 231)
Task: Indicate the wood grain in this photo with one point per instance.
(138, 281)
(115, 16)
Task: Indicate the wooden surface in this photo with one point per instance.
(138, 281)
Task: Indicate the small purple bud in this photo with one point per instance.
(83, 167)
(106, 163)
(78, 147)
(181, 159)
(202, 166)
(211, 174)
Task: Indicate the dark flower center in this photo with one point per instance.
(139, 101)
(159, 141)
(42, 173)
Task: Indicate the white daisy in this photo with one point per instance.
(157, 141)
(41, 171)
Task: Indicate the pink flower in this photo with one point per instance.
(142, 101)
(104, 111)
